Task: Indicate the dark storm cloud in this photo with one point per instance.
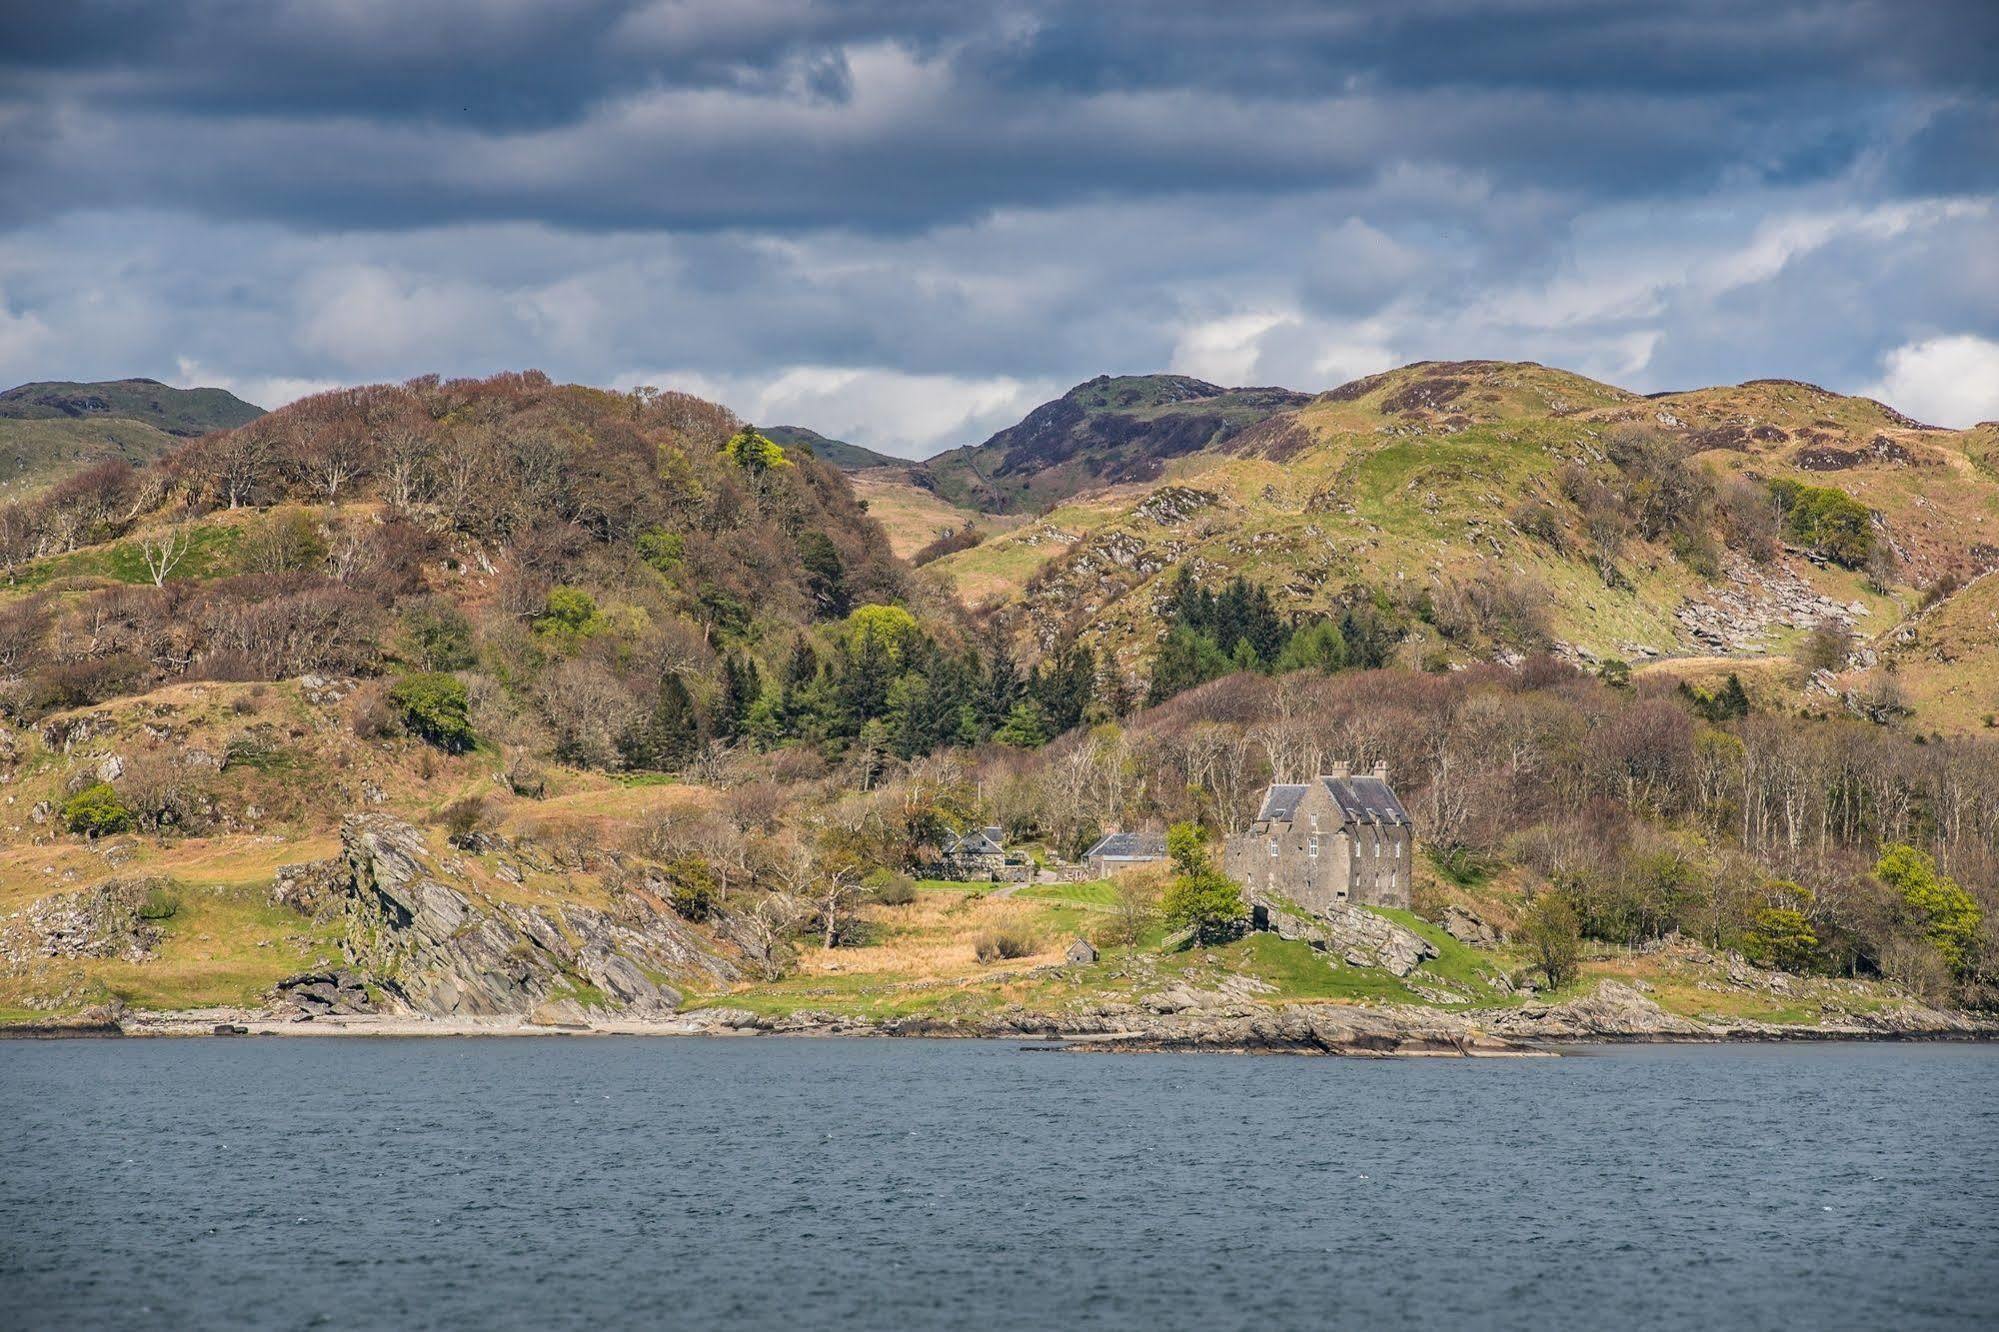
(790, 114)
(906, 221)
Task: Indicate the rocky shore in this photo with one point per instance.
(1613, 1013)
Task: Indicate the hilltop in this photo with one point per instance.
(1106, 430)
(847, 457)
(52, 430)
(179, 412)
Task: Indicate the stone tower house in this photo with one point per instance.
(1340, 838)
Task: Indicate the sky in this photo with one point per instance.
(905, 224)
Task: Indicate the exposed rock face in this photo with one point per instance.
(1355, 935)
(105, 921)
(446, 951)
(1612, 1010)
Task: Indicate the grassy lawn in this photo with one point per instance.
(1099, 893)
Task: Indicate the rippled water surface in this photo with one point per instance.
(878, 1184)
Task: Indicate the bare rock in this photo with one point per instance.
(1612, 1010)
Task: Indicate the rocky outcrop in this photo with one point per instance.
(1613, 1011)
(326, 994)
(1461, 924)
(1355, 935)
(427, 941)
(114, 919)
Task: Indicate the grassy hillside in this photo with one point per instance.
(184, 412)
(1481, 502)
(36, 453)
(847, 457)
(52, 430)
(1107, 430)
(913, 515)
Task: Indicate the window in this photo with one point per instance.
(1312, 848)
(1315, 822)
(1273, 848)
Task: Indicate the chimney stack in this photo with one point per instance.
(1339, 772)
(1381, 769)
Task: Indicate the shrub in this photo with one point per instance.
(1009, 943)
(463, 819)
(949, 543)
(96, 810)
(887, 888)
(1553, 938)
(692, 893)
(436, 707)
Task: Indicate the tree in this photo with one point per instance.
(1553, 938)
(1780, 935)
(1134, 906)
(1026, 726)
(670, 735)
(1942, 909)
(163, 551)
(1200, 898)
(742, 684)
(435, 707)
(825, 574)
(754, 453)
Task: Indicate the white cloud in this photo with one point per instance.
(912, 416)
(267, 391)
(1226, 350)
(1949, 381)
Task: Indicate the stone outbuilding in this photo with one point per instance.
(1120, 851)
(1082, 951)
(1342, 838)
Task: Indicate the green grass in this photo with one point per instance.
(211, 549)
(1100, 893)
(1457, 963)
(1298, 970)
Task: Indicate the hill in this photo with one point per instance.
(508, 698)
(52, 430)
(182, 412)
(1490, 509)
(847, 457)
(1105, 431)
(36, 453)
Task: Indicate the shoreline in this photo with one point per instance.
(1295, 1029)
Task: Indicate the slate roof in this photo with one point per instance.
(1365, 799)
(1280, 803)
(977, 842)
(1361, 798)
(1129, 846)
